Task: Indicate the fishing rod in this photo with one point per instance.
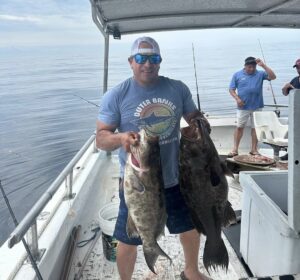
(32, 260)
(88, 101)
(198, 97)
(277, 111)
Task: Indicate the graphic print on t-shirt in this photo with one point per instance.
(157, 116)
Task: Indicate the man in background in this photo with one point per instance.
(246, 88)
(294, 83)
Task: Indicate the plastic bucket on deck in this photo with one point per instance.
(107, 218)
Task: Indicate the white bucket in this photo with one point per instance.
(107, 217)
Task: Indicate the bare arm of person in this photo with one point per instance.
(286, 88)
(270, 72)
(108, 140)
(238, 100)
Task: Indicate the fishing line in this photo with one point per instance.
(198, 97)
(277, 111)
(33, 263)
(88, 101)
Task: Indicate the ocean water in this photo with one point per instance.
(43, 122)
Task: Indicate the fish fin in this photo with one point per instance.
(131, 228)
(214, 177)
(160, 230)
(152, 253)
(161, 234)
(226, 170)
(215, 254)
(229, 215)
(138, 185)
(197, 223)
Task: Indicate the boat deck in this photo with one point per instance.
(97, 267)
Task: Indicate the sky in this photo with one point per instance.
(46, 23)
(35, 23)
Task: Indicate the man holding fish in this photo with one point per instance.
(154, 105)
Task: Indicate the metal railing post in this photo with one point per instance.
(69, 185)
(32, 240)
(95, 149)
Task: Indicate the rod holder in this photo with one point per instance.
(32, 240)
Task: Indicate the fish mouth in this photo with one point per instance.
(135, 159)
(194, 132)
(191, 134)
(135, 155)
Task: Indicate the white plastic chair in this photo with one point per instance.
(270, 131)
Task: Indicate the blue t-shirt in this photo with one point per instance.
(157, 109)
(249, 88)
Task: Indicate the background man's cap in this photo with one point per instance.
(250, 60)
(135, 49)
(297, 63)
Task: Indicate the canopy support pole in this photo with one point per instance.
(105, 67)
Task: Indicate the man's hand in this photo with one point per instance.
(239, 102)
(129, 138)
(260, 62)
(287, 87)
(271, 74)
(108, 140)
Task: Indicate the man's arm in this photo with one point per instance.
(239, 101)
(271, 74)
(108, 140)
(286, 89)
(232, 90)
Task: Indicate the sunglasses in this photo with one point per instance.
(142, 58)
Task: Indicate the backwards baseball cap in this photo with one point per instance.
(135, 49)
(297, 63)
(250, 60)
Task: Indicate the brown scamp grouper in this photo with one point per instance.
(144, 197)
(205, 189)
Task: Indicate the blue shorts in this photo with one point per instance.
(178, 220)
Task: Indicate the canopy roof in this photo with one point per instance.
(134, 16)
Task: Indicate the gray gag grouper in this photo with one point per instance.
(144, 196)
(205, 190)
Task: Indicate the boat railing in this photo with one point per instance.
(28, 225)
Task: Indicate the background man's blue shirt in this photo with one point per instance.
(249, 88)
(157, 109)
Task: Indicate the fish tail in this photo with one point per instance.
(229, 215)
(151, 254)
(215, 254)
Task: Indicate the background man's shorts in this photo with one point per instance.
(178, 221)
(244, 115)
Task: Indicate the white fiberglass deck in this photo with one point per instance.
(97, 267)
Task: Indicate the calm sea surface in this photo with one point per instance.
(43, 122)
